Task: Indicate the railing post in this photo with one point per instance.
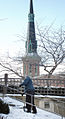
(6, 79)
(64, 83)
(5, 85)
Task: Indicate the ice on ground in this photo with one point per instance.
(16, 112)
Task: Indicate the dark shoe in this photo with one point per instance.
(24, 108)
(28, 111)
(34, 110)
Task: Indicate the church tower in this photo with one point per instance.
(31, 59)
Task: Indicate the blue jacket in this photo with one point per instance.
(28, 84)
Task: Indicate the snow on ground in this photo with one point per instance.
(16, 111)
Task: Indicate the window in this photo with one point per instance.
(24, 69)
(46, 105)
(30, 68)
(30, 46)
(35, 68)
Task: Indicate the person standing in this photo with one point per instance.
(29, 91)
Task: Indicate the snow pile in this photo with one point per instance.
(16, 112)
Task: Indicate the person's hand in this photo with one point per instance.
(20, 85)
(22, 94)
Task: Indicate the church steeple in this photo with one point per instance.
(31, 59)
(31, 43)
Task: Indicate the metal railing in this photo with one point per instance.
(6, 82)
(42, 86)
(36, 82)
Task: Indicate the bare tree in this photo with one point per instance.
(12, 66)
(9, 64)
(52, 51)
(52, 48)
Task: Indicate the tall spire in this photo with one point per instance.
(31, 43)
(31, 59)
(31, 6)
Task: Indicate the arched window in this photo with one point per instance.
(24, 69)
(36, 69)
(30, 46)
(30, 68)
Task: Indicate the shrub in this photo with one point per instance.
(4, 108)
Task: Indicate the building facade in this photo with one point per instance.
(31, 59)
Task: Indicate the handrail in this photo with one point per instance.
(36, 82)
(59, 101)
(59, 83)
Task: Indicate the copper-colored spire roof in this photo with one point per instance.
(31, 43)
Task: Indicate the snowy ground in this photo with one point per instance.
(16, 112)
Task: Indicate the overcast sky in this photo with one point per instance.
(14, 20)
